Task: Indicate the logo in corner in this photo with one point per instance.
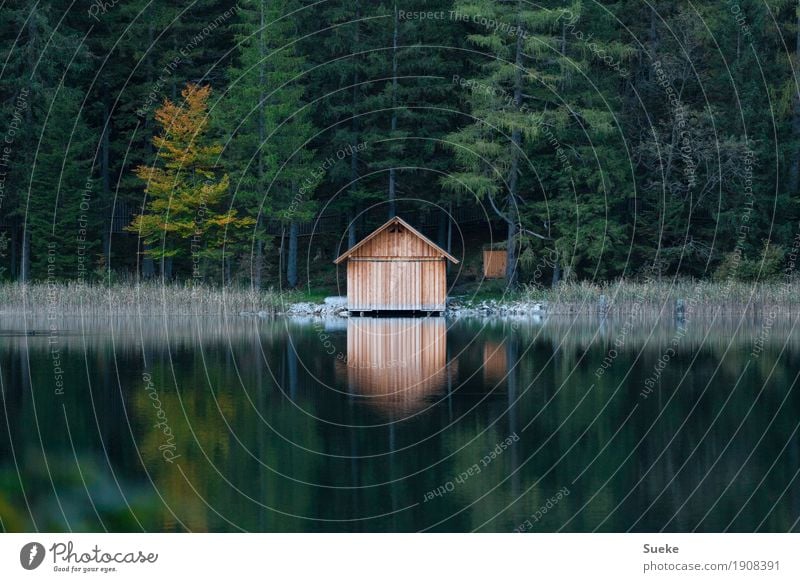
(31, 555)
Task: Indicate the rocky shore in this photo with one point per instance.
(337, 307)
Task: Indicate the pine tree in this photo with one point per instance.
(491, 151)
(244, 125)
(48, 163)
(582, 176)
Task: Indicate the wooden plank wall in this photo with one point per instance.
(494, 264)
(401, 243)
(400, 363)
(396, 271)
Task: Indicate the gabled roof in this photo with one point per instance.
(390, 222)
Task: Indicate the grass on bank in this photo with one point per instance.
(154, 298)
(624, 296)
(146, 297)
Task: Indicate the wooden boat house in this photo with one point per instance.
(396, 269)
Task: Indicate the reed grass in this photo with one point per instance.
(699, 297)
(155, 298)
(142, 297)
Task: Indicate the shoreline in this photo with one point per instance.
(679, 300)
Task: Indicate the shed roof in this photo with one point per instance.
(390, 222)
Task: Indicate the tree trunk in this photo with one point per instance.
(392, 176)
(794, 168)
(354, 128)
(556, 274)
(449, 248)
(259, 258)
(14, 243)
(511, 254)
(442, 230)
(291, 369)
(148, 267)
(655, 42)
(282, 254)
(513, 180)
(166, 268)
(351, 230)
(291, 260)
(25, 259)
(512, 367)
(392, 193)
(105, 178)
(262, 133)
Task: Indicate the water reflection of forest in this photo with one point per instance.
(306, 417)
(568, 331)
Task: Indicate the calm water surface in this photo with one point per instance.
(399, 425)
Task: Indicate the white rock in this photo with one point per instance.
(336, 301)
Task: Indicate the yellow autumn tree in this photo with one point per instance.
(186, 213)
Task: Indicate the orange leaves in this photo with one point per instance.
(186, 192)
(182, 142)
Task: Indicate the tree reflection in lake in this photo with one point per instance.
(289, 425)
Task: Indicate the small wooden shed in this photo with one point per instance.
(494, 263)
(396, 268)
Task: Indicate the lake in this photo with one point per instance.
(497, 425)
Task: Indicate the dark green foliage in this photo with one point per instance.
(608, 137)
